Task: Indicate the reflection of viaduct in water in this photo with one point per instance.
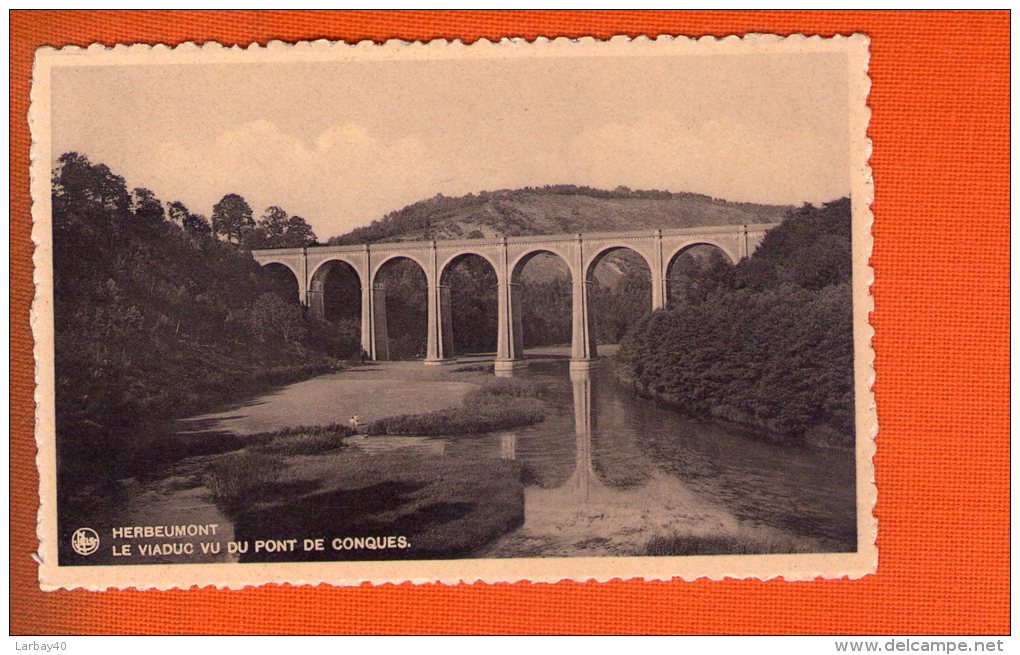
(507, 256)
(584, 478)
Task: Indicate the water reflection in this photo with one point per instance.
(584, 477)
(604, 473)
(634, 471)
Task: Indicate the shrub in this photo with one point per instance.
(304, 440)
(679, 545)
(771, 346)
(513, 387)
(485, 417)
(501, 404)
(239, 479)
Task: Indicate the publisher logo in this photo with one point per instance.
(85, 541)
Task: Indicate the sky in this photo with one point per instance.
(344, 143)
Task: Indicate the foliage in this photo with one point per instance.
(271, 318)
(242, 478)
(304, 440)
(680, 545)
(500, 404)
(181, 216)
(276, 229)
(153, 319)
(767, 343)
(616, 309)
(146, 206)
(232, 217)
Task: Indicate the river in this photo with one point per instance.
(605, 472)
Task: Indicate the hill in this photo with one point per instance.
(153, 321)
(555, 210)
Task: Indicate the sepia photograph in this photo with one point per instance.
(322, 312)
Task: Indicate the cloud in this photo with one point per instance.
(722, 158)
(347, 176)
(342, 178)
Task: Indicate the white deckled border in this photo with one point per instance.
(538, 570)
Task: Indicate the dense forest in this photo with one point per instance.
(156, 312)
(767, 343)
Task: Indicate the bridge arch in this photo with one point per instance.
(603, 251)
(323, 268)
(674, 279)
(612, 310)
(333, 298)
(679, 250)
(459, 255)
(377, 266)
(468, 292)
(285, 271)
(400, 314)
(518, 264)
(549, 324)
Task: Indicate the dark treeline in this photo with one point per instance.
(767, 343)
(155, 315)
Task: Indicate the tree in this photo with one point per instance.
(299, 232)
(270, 317)
(177, 212)
(275, 229)
(87, 187)
(145, 205)
(232, 217)
(197, 224)
(181, 216)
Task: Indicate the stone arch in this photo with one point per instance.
(517, 304)
(679, 250)
(610, 311)
(335, 303)
(604, 250)
(469, 312)
(323, 266)
(460, 254)
(378, 265)
(668, 264)
(399, 325)
(518, 264)
(281, 269)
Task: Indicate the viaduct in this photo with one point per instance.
(507, 256)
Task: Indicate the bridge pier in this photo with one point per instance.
(583, 351)
(509, 333)
(380, 333)
(439, 349)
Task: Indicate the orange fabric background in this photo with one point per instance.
(940, 129)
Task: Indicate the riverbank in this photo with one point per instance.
(433, 506)
(816, 436)
(603, 473)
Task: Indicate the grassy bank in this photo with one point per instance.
(679, 545)
(442, 508)
(501, 404)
